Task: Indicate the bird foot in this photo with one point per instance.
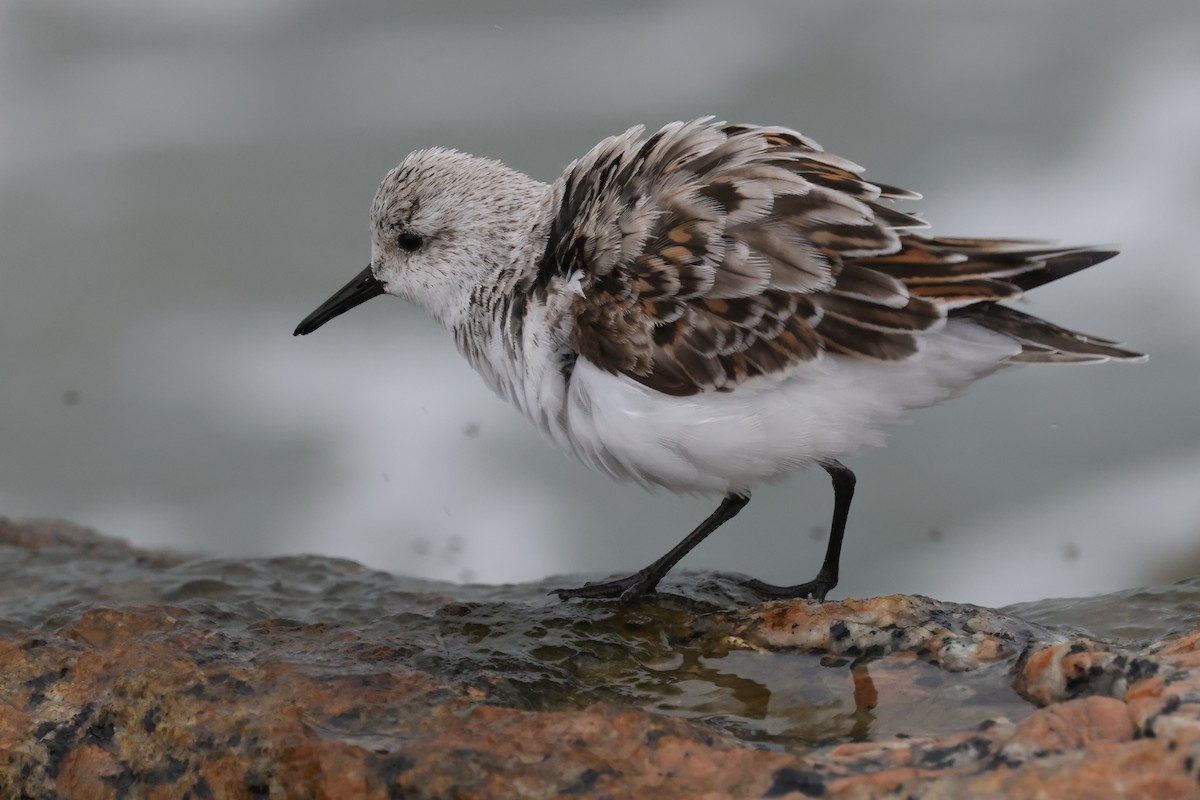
(815, 589)
(624, 589)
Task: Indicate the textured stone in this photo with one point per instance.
(133, 674)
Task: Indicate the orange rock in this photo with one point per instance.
(1073, 725)
(163, 701)
(89, 772)
(105, 627)
(1188, 643)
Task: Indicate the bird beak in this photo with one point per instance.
(362, 288)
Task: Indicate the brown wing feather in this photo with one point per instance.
(708, 254)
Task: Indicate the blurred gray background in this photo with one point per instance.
(180, 183)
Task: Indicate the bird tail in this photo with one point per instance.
(1044, 342)
(969, 277)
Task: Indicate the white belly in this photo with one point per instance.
(718, 442)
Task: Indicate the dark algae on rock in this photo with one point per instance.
(129, 673)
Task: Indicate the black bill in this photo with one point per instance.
(355, 293)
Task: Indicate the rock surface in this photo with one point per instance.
(127, 673)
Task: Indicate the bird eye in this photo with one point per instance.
(409, 241)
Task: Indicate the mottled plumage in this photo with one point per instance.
(707, 308)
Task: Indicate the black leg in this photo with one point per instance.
(827, 578)
(644, 581)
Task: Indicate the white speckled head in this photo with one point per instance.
(443, 222)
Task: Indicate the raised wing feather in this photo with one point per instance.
(707, 254)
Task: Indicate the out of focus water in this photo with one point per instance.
(181, 183)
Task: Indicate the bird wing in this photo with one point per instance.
(707, 254)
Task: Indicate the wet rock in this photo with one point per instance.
(125, 673)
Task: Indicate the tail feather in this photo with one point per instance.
(1044, 342)
(1023, 263)
(1060, 264)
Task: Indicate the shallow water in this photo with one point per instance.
(669, 653)
(1134, 615)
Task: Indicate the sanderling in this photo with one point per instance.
(707, 308)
